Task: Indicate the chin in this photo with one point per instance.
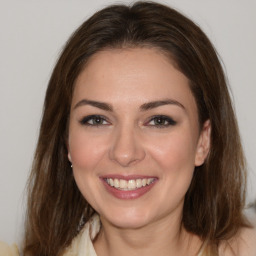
(126, 219)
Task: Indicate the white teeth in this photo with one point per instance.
(129, 184)
(138, 183)
(111, 182)
(123, 184)
(149, 181)
(116, 183)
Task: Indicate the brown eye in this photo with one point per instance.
(94, 120)
(161, 121)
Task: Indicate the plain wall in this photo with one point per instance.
(32, 34)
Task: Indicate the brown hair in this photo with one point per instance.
(214, 202)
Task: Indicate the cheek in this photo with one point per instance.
(174, 157)
(175, 152)
(86, 154)
(86, 151)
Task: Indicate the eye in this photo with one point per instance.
(94, 120)
(161, 121)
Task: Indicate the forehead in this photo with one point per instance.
(132, 75)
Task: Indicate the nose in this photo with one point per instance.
(126, 147)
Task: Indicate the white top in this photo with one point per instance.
(82, 243)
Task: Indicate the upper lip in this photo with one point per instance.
(127, 177)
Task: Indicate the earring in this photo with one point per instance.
(81, 223)
(71, 166)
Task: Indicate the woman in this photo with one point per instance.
(139, 151)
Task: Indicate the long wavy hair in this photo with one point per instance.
(215, 199)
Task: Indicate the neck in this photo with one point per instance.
(164, 237)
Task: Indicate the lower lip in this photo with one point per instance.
(128, 194)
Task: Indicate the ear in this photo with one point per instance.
(204, 143)
(69, 157)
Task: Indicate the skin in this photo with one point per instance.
(129, 141)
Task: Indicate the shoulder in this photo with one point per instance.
(243, 244)
(7, 250)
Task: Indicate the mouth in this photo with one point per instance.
(128, 185)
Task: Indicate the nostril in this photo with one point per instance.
(126, 151)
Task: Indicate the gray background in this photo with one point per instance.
(32, 34)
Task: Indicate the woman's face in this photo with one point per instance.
(134, 136)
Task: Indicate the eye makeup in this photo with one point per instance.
(161, 121)
(94, 120)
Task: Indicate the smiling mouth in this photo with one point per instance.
(128, 185)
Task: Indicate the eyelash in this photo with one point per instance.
(167, 121)
(163, 121)
(93, 118)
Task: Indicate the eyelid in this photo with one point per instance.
(167, 121)
(85, 120)
(171, 121)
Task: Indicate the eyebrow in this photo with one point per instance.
(97, 104)
(158, 103)
(143, 107)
